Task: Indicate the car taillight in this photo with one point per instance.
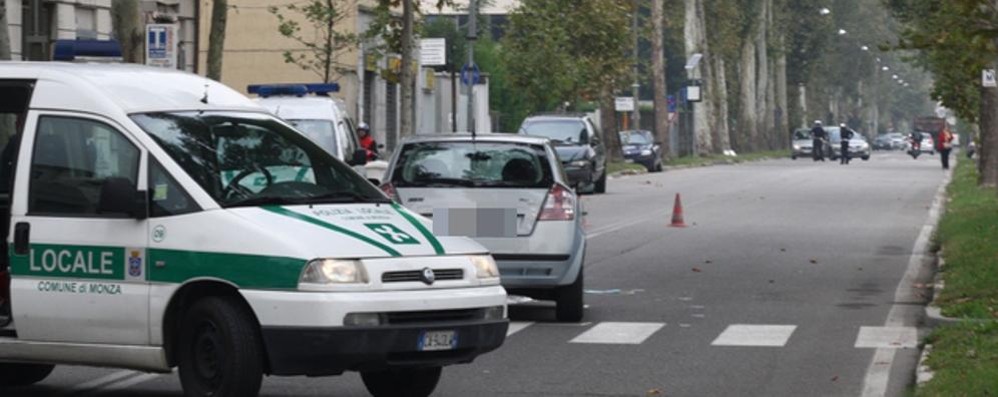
(390, 191)
(559, 205)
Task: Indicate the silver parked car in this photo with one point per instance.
(509, 193)
(858, 146)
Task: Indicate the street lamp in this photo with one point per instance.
(842, 32)
(824, 11)
(865, 48)
(895, 77)
(885, 68)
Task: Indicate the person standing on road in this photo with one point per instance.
(944, 144)
(845, 135)
(367, 142)
(818, 135)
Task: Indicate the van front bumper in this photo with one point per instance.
(331, 351)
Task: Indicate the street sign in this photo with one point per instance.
(693, 93)
(470, 75)
(988, 78)
(161, 45)
(433, 52)
(624, 104)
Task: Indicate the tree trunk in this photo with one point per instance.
(125, 24)
(4, 33)
(747, 123)
(781, 111)
(406, 121)
(988, 148)
(762, 91)
(216, 38)
(608, 123)
(721, 92)
(695, 39)
(658, 70)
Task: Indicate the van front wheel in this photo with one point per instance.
(14, 375)
(404, 382)
(220, 350)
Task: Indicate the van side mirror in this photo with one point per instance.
(359, 157)
(120, 196)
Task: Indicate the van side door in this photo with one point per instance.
(78, 271)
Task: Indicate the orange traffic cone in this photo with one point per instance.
(677, 213)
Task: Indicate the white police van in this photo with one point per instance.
(155, 219)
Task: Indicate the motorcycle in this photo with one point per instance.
(914, 148)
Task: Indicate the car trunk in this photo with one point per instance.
(527, 202)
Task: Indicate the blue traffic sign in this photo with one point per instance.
(470, 74)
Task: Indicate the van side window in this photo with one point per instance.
(166, 196)
(72, 160)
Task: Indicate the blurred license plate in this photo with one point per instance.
(437, 340)
(475, 222)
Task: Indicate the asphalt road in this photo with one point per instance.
(785, 283)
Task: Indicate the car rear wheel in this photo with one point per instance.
(866, 158)
(405, 382)
(569, 304)
(14, 374)
(220, 350)
(600, 185)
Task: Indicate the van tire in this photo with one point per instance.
(14, 375)
(402, 382)
(217, 325)
(569, 303)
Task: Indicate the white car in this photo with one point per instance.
(157, 219)
(320, 117)
(510, 194)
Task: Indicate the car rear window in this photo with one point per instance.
(567, 130)
(467, 164)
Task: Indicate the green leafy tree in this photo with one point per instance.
(323, 39)
(955, 40)
(570, 51)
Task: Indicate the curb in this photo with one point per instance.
(933, 312)
(923, 373)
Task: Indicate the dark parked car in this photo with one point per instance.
(579, 144)
(639, 147)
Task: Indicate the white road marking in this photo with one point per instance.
(879, 371)
(755, 335)
(618, 333)
(114, 376)
(517, 326)
(887, 338)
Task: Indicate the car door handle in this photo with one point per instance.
(22, 237)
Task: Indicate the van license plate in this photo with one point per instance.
(437, 340)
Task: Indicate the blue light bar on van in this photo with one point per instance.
(299, 90)
(69, 50)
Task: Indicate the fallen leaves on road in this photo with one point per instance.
(654, 392)
(772, 281)
(919, 286)
(783, 250)
(708, 261)
(697, 270)
(814, 261)
(835, 378)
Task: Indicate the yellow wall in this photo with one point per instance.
(254, 48)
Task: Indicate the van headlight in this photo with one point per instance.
(333, 271)
(485, 267)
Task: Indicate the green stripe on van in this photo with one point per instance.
(439, 249)
(245, 271)
(318, 222)
(70, 261)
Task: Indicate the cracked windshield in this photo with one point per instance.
(412, 198)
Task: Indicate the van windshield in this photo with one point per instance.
(321, 132)
(250, 159)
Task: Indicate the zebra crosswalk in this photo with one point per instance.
(733, 335)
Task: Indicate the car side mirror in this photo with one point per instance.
(120, 196)
(359, 157)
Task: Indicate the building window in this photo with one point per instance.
(391, 114)
(36, 29)
(369, 77)
(86, 23)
